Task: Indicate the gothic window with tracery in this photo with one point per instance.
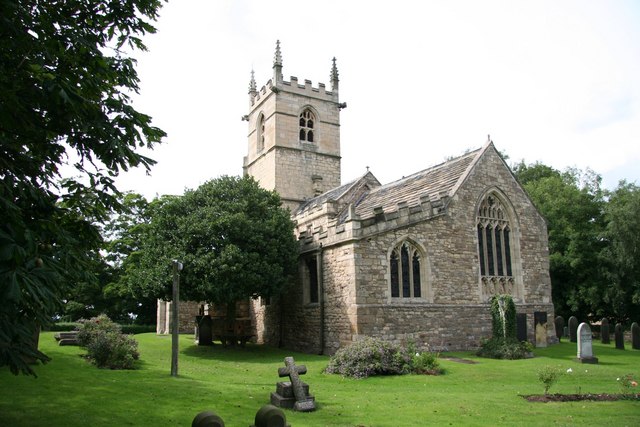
(405, 271)
(307, 122)
(261, 132)
(494, 246)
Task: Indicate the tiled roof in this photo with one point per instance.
(436, 180)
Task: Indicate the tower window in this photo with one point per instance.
(261, 132)
(307, 120)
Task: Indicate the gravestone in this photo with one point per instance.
(207, 419)
(295, 393)
(540, 322)
(573, 329)
(635, 336)
(205, 330)
(270, 416)
(521, 326)
(619, 333)
(559, 324)
(604, 331)
(585, 344)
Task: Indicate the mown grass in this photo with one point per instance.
(235, 383)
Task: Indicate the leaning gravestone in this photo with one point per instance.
(559, 324)
(604, 331)
(635, 336)
(573, 329)
(619, 332)
(585, 344)
(295, 393)
(540, 322)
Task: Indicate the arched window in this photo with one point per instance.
(307, 121)
(494, 247)
(260, 129)
(405, 271)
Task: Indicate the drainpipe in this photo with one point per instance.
(321, 292)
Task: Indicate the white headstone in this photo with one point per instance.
(585, 344)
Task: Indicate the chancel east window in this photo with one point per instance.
(307, 123)
(494, 246)
(405, 271)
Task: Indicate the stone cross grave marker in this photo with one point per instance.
(585, 344)
(303, 404)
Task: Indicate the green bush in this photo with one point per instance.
(137, 329)
(63, 326)
(426, 363)
(497, 348)
(107, 346)
(548, 376)
(370, 356)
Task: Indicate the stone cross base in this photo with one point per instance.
(284, 397)
(592, 360)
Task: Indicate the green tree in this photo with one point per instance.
(233, 238)
(64, 85)
(572, 204)
(622, 291)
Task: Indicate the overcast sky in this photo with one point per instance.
(550, 81)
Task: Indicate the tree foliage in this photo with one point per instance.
(593, 241)
(233, 238)
(64, 84)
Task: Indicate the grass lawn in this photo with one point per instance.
(235, 383)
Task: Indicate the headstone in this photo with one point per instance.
(207, 419)
(540, 322)
(635, 336)
(619, 333)
(573, 329)
(521, 326)
(566, 332)
(205, 330)
(295, 393)
(559, 324)
(604, 331)
(270, 416)
(585, 344)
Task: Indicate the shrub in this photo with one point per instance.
(497, 348)
(106, 345)
(548, 376)
(426, 363)
(369, 356)
(137, 329)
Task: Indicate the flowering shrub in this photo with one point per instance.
(106, 345)
(548, 376)
(367, 357)
(627, 382)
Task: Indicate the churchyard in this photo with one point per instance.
(236, 382)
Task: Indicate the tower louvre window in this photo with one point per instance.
(261, 132)
(307, 120)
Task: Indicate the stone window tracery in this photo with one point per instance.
(494, 247)
(307, 121)
(405, 271)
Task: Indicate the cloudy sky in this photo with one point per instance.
(550, 81)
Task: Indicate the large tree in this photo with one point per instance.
(622, 291)
(65, 82)
(233, 238)
(572, 204)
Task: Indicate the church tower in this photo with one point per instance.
(294, 135)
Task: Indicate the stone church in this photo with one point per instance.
(414, 260)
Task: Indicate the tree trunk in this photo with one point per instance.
(230, 322)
